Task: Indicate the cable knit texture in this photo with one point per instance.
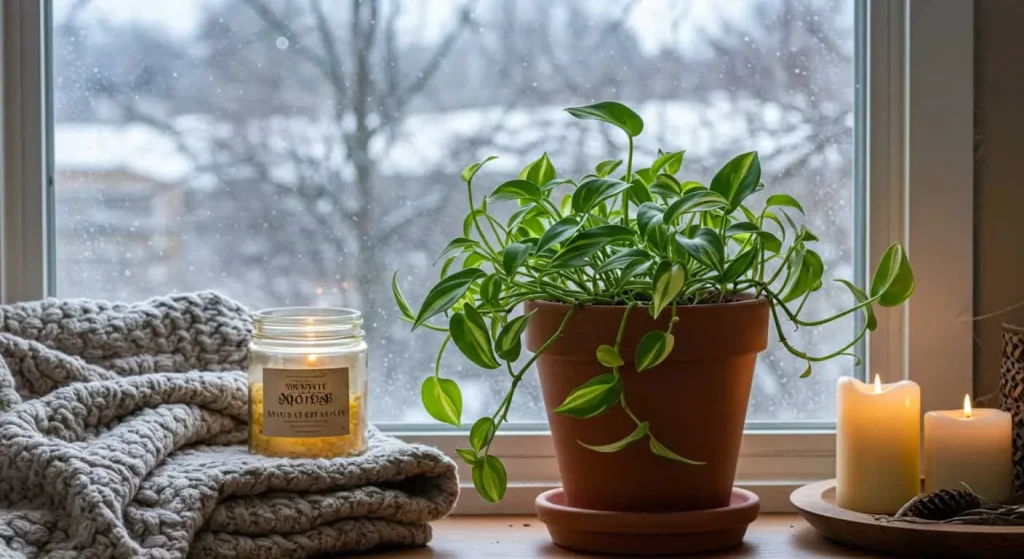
(114, 444)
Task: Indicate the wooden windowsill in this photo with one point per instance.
(772, 535)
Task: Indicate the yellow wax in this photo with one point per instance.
(974, 449)
(305, 447)
(878, 445)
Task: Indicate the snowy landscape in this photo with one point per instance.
(293, 152)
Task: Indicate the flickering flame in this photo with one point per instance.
(878, 384)
(967, 406)
(311, 359)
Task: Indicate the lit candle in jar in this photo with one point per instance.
(307, 383)
(971, 447)
(878, 438)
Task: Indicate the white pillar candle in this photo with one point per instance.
(971, 447)
(878, 445)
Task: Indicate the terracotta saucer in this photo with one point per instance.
(647, 533)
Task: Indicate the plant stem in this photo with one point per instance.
(476, 222)
(506, 403)
(796, 319)
(801, 354)
(629, 179)
(426, 325)
(777, 271)
(440, 352)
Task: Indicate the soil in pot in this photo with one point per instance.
(695, 401)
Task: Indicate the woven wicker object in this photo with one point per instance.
(1011, 388)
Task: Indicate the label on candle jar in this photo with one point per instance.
(305, 402)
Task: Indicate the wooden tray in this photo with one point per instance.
(816, 503)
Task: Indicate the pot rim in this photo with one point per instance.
(747, 300)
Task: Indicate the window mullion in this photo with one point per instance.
(24, 114)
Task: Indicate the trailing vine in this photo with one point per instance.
(639, 238)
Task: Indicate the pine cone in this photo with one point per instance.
(941, 505)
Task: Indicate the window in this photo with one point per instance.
(297, 152)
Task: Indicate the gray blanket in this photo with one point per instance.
(114, 444)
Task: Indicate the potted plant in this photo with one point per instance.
(646, 300)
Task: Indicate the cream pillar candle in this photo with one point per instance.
(878, 445)
(971, 447)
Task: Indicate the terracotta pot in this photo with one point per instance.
(695, 401)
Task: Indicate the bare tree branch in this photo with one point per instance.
(435, 60)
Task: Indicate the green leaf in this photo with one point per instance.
(592, 192)
(524, 212)
(532, 227)
(468, 222)
(646, 215)
(473, 260)
(705, 247)
(639, 193)
(624, 260)
(807, 371)
(663, 451)
(783, 200)
(806, 236)
(637, 434)
(772, 217)
(490, 479)
(633, 269)
(858, 294)
(558, 232)
(467, 455)
(481, 433)
(698, 200)
(669, 278)
(470, 334)
(517, 189)
(689, 186)
(403, 305)
(769, 242)
(740, 228)
(739, 265)
(609, 356)
(446, 293)
(593, 398)
(894, 280)
(805, 271)
(657, 238)
(447, 266)
(666, 186)
(508, 343)
(645, 176)
(442, 399)
(540, 172)
(613, 113)
(606, 168)
(490, 291)
(738, 178)
(513, 256)
(586, 243)
(653, 348)
(458, 244)
(668, 162)
(469, 172)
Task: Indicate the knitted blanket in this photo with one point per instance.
(114, 444)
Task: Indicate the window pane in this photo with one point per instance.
(294, 152)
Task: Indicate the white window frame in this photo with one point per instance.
(919, 172)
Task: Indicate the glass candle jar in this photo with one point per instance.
(307, 383)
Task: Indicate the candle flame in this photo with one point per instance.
(967, 406)
(878, 384)
(311, 359)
